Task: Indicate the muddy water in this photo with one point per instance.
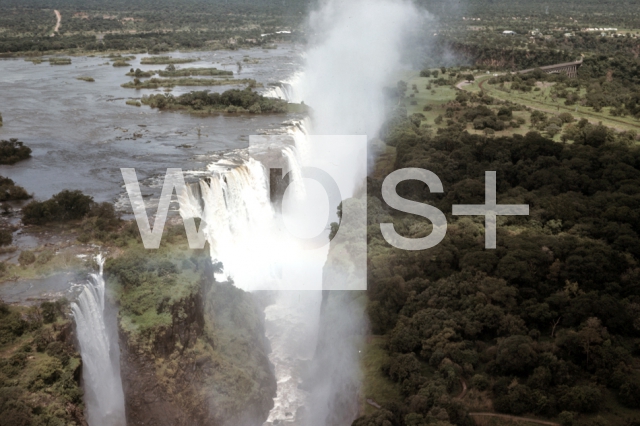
(82, 133)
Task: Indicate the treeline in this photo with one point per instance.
(154, 26)
(546, 324)
(233, 100)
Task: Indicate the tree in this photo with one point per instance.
(469, 77)
(551, 130)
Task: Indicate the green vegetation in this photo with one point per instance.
(60, 61)
(39, 367)
(26, 258)
(66, 205)
(12, 151)
(142, 26)
(519, 324)
(87, 79)
(185, 72)
(98, 221)
(155, 83)
(121, 63)
(174, 313)
(140, 74)
(165, 60)
(9, 191)
(133, 102)
(233, 100)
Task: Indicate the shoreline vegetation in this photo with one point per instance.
(121, 63)
(165, 60)
(155, 83)
(52, 61)
(13, 150)
(184, 72)
(188, 72)
(202, 102)
(87, 79)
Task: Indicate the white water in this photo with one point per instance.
(286, 90)
(357, 53)
(104, 397)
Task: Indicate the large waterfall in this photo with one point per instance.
(315, 335)
(99, 349)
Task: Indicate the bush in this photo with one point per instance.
(480, 382)
(629, 394)
(566, 418)
(10, 191)
(66, 205)
(6, 238)
(566, 117)
(12, 151)
(26, 258)
(44, 257)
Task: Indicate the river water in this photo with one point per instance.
(82, 133)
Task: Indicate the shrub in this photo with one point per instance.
(566, 117)
(480, 382)
(566, 418)
(26, 258)
(44, 257)
(6, 238)
(12, 151)
(10, 191)
(629, 394)
(66, 205)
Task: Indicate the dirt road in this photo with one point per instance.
(514, 418)
(59, 18)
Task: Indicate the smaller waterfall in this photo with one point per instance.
(285, 90)
(99, 349)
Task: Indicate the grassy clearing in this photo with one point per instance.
(375, 384)
(432, 103)
(436, 97)
(541, 101)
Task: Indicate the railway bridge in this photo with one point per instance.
(569, 68)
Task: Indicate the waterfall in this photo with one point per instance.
(285, 90)
(99, 349)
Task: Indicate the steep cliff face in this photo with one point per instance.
(193, 350)
(335, 376)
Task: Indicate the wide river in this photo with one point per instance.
(82, 133)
